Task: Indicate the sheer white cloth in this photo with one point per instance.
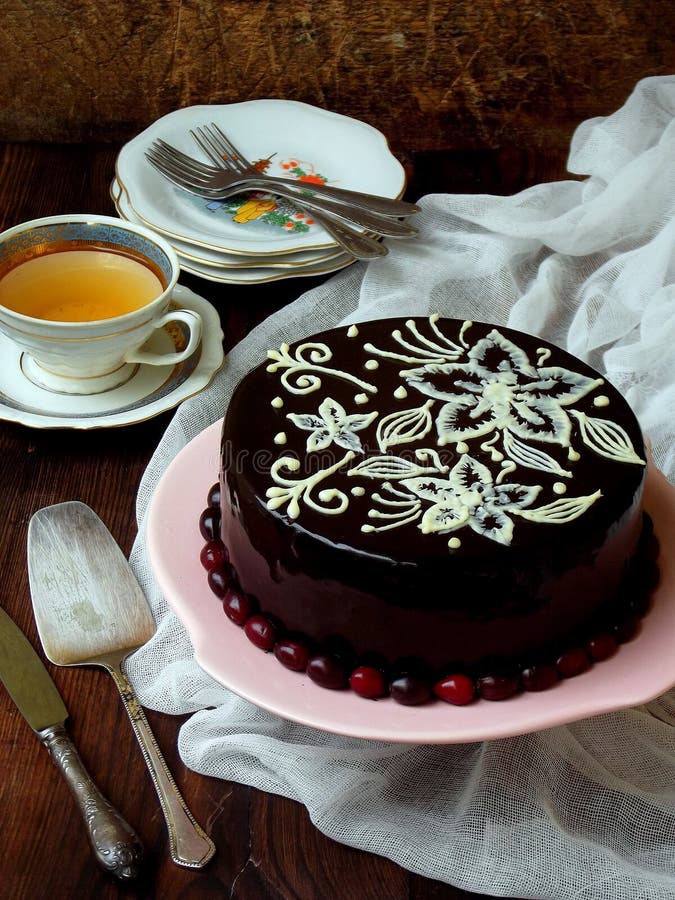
(585, 811)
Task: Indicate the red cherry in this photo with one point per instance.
(219, 581)
(214, 496)
(326, 672)
(573, 662)
(539, 677)
(410, 690)
(369, 682)
(457, 689)
(209, 524)
(602, 646)
(498, 687)
(214, 555)
(260, 632)
(237, 606)
(292, 653)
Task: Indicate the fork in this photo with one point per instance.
(217, 147)
(385, 206)
(358, 245)
(198, 177)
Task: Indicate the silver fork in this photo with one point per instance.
(358, 245)
(385, 206)
(223, 146)
(216, 146)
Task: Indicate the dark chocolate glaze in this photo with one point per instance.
(402, 592)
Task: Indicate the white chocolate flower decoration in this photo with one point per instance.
(499, 388)
(332, 425)
(469, 496)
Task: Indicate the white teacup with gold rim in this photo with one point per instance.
(82, 294)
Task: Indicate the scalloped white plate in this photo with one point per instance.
(205, 257)
(643, 668)
(344, 151)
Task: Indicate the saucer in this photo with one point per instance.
(149, 391)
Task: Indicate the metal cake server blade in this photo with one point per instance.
(90, 610)
(116, 846)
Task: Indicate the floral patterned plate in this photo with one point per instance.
(198, 257)
(279, 136)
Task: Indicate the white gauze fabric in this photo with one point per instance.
(584, 811)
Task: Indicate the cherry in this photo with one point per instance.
(457, 689)
(327, 672)
(498, 687)
(214, 496)
(602, 646)
(214, 555)
(209, 524)
(219, 581)
(539, 677)
(369, 682)
(410, 690)
(260, 632)
(573, 662)
(292, 653)
(237, 606)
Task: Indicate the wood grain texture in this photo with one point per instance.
(431, 74)
(267, 847)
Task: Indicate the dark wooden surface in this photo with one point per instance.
(267, 846)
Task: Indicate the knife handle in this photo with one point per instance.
(189, 845)
(116, 845)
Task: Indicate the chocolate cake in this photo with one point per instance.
(430, 505)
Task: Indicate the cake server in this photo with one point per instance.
(90, 610)
(115, 845)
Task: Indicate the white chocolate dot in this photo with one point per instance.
(280, 438)
(358, 491)
(352, 331)
(559, 488)
(400, 393)
(277, 403)
(454, 543)
(461, 447)
(372, 364)
(602, 400)
(361, 399)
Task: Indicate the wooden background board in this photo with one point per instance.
(431, 75)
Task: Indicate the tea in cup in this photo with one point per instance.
(82, 294)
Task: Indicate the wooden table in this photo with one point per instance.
(267, 846)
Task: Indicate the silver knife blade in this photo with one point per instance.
(116, 846)
(28, 682)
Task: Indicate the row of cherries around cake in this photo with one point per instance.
(406, 683)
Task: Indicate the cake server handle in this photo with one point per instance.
(189, 845)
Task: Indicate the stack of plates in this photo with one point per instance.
(252, 238)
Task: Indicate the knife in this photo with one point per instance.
(115, 845)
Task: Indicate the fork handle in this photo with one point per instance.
(356, 244)
(385, 206)
(189, 845)
(367, 218)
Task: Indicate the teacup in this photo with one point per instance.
(82, 294)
